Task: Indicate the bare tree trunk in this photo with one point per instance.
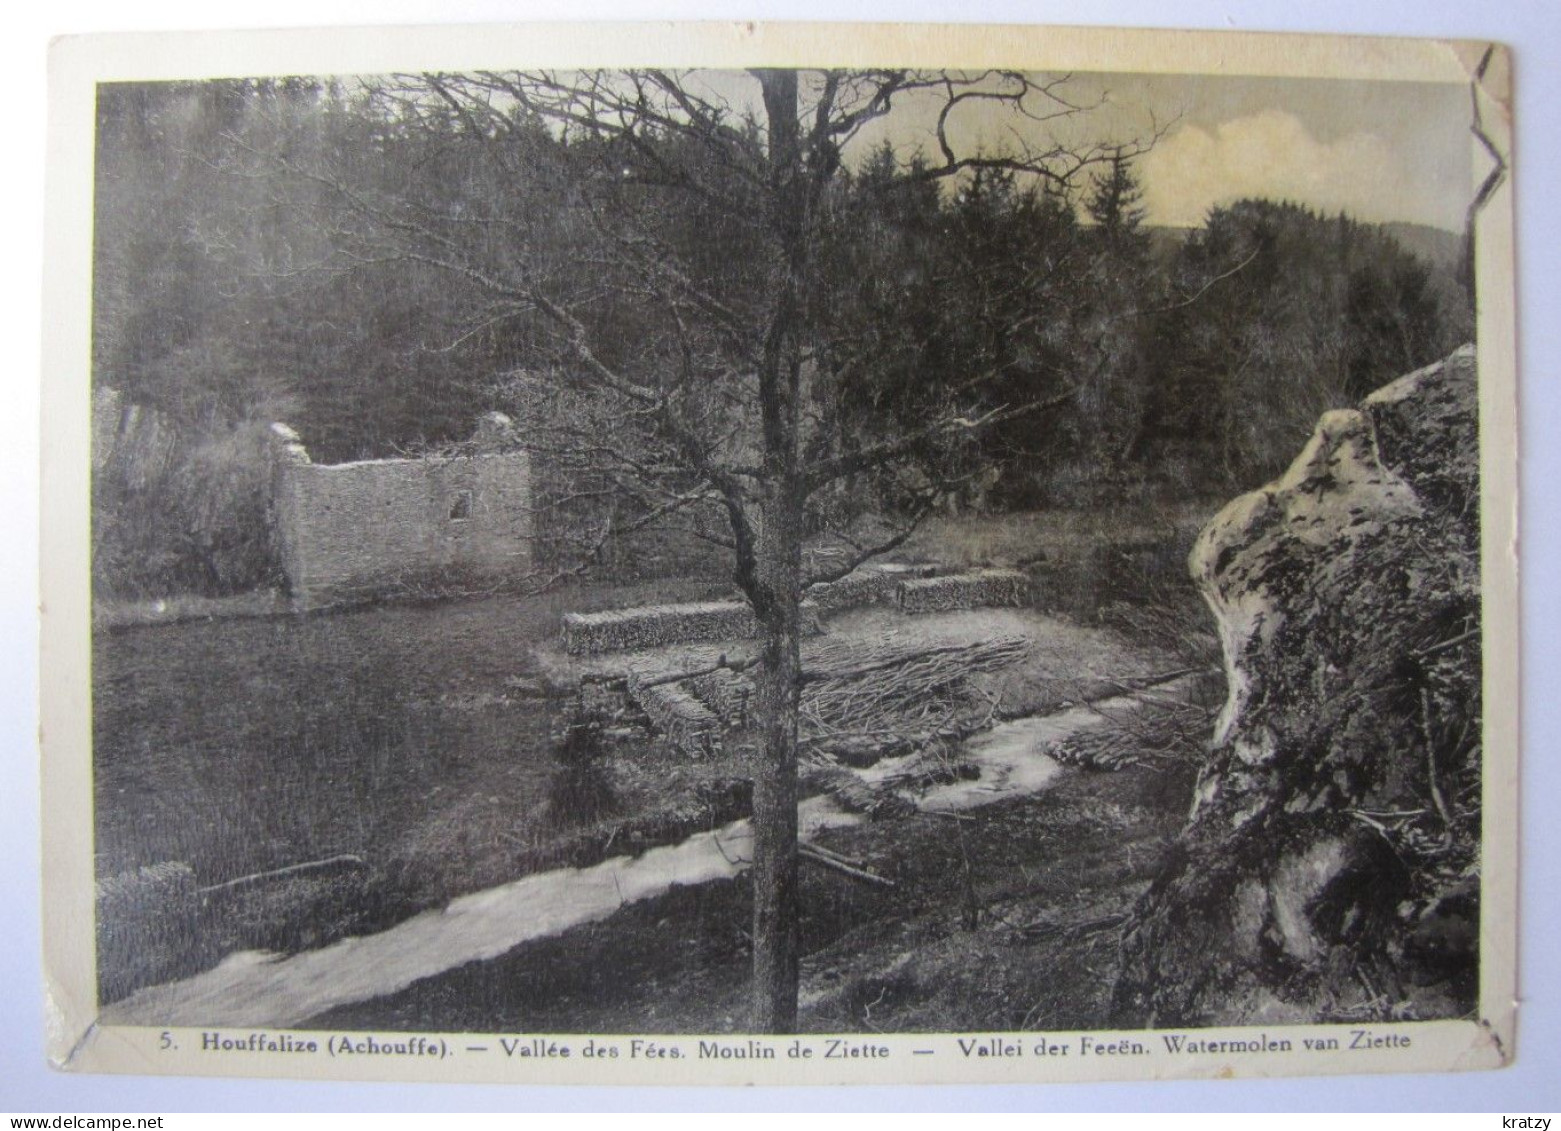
(775, 954)
(778, 694)
(778, 596)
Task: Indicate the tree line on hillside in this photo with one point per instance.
(252, 264)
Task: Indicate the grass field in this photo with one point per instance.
(392, 732)
(1060, 535)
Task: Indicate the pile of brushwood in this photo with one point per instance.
(892, 686)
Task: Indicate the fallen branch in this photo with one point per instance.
(332, 863)
(722, 664)
(811, 854)
(1446, 644)
(1044, 929)
(820, 850)
(1431, 776)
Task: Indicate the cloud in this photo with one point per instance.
(1272, 154)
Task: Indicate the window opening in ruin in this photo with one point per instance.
(461, 506)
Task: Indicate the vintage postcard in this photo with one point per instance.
(779, 554)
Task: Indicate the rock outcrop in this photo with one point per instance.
(1329, 869)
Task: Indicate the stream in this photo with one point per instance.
(255, 989)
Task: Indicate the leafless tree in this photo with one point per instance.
(709, 414)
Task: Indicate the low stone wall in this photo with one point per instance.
(726, 693)
(870, 585)
(652, 626)
(687, 723)
(979, 589)
(655, 626)
(132, 444)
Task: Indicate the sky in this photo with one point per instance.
(1381, 151)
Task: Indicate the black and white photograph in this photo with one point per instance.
(997, 570)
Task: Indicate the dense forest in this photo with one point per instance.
(242, 276)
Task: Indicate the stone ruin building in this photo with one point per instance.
(356, 529)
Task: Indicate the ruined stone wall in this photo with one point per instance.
(132, 444)
(356, 529)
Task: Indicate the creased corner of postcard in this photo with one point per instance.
(1489, 67)
(68, 1029)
